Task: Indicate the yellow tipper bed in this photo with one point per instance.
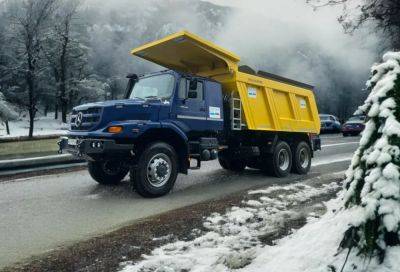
(268, 102)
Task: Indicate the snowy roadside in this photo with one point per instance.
(43, 126)
(238, 238)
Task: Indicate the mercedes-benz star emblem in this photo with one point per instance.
(79, 119)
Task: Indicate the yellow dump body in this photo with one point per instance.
(267, 104)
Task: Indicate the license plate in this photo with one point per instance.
(72, 141)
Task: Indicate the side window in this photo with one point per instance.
(199, 90)
(182, 88)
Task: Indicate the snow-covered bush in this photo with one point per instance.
(6, 112)
(372, 184)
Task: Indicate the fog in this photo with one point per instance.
(289, 38)
(285, 37)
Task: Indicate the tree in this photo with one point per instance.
(373, 184)
(28, 21)
(385, 13)
(64, 52)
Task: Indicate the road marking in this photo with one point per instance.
(348, 143)
(333, 160)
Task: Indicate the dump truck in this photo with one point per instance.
(204, 107)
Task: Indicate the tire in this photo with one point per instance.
(345, 134)
(156, 172)
(254, 163)
(280, 162)
(107, 172)
(302, 159)
(228, 163)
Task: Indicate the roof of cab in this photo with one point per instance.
(186, 52)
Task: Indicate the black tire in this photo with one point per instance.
(227, 162)
(107, 172)
(254, 163)
(302, 158)
(157, 159)
(345, 134)
(275, 165)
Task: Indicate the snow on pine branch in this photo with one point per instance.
(372, 183)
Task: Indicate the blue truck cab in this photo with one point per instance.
(166, 119)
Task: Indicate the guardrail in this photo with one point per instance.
(38, 161)
(26, 138)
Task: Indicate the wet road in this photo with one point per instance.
(40, 213)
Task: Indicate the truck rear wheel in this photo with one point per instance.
(280, 162)
(302, 158)
(107, 172)
(229, 163)
(157, 170)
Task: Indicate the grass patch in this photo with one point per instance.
(10, 150)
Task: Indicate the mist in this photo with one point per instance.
(284, 37)
(291, 39)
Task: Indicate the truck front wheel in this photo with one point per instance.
(107, 172)
(302, 158)
(156, 171)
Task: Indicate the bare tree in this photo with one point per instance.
(63, 52)
(28, 21)
(385, 13)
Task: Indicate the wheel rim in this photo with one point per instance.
(304, 158)
(111, 168)
(283, 159)
(159, 170)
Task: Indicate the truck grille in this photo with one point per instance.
(82, 120)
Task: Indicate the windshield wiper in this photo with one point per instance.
(152, 96)
(138, 98)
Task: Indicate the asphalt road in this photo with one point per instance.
(42, 213)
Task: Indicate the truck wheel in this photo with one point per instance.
(156, 172)
(107, 172)
(302, 159)
(229, 163)
(281, 160)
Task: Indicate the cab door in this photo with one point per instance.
(191, 106)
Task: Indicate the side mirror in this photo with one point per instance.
(133, 78)
(192, 94)
(193, 84)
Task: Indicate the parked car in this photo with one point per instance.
(354, 126)
(329, 123)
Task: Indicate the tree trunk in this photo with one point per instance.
(31, 92)
(56, 111)
(64, 112)
(46, 109)
(7, 128)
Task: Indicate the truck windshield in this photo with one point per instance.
(154, 87)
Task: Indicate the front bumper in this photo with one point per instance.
(83, 147)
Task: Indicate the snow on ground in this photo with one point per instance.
(233, 241)
(314, 248)
(43, 126)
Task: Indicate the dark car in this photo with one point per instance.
(354, 126)
(329, 123)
